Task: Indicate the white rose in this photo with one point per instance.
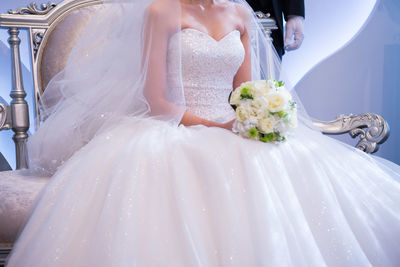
(262, 88)
(253, 119)
(260, 103)
(247, 84)
(277, 102)
(243, 112)
(267, 124)
(271, 84)
(293, 123)
(235, 97)
(260, 84)
(285, 93)
(248, 125)
(282, 128)
(260, 108)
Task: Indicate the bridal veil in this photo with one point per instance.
(114, 71)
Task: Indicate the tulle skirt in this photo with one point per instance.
(148, 194)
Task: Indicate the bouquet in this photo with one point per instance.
(265, 111)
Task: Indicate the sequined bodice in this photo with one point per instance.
(208, 70)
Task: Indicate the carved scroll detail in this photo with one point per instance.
(4, 124)
(372, 129)
(37, 37)
(33, 9)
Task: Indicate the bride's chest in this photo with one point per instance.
(199, 56)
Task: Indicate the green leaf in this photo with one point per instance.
(279, 138)
(282, 114)
(269, 137)
(292, 104)
(253, 132)
(279, 84)
(245, 93)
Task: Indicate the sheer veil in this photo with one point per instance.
(113, 72)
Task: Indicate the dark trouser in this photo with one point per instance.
(4, 166)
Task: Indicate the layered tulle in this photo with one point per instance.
(148, 194)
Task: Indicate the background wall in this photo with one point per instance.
(363, 76)
(349, 63)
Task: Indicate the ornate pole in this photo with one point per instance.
(19, 107)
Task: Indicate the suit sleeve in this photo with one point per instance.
(293, 7)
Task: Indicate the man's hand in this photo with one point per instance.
(294, 32)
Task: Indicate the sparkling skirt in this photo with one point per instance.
(148, 194)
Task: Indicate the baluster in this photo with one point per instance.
(18, 106)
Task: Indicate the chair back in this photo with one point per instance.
(53, 31)
(56, 47)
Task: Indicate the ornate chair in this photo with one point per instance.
(53, 31)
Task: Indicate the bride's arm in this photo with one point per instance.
(160, 26)
(154, 62)
(244, 72)
(189, 119)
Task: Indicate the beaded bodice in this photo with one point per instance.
(208, 69)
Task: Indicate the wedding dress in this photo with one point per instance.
(145, 193)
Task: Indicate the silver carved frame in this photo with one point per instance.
(372, 129)
(39, 21)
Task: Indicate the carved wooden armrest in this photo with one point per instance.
(372, 129)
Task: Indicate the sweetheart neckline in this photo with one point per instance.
(209, 36)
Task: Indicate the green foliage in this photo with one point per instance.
(269, 137)
(292, 105)
(253, 132)
(279, 84)
(245, 93)
(272, 137)
(282, 114)
(280, 138)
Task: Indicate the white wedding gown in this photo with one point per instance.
(148, 194)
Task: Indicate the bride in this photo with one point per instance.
(147, 172)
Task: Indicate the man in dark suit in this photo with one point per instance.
(293, 13)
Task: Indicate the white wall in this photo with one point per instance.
(329, 25)
(362, 77)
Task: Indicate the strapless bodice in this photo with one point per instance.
(208, 69)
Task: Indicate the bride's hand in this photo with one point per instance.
(190, 119)
(228, 125)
